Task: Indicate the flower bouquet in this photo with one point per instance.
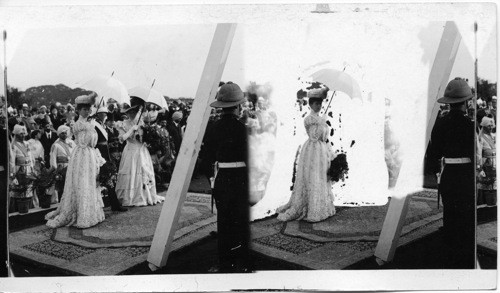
(487, 174)
(154, 139)
(20, 191)
(20, 184)
(107, 176)
(44, 180)
(338, 168)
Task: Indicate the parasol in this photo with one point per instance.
(339, 81)
(107, 87)
(149, 95)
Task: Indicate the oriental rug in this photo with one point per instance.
(115, 245)
(344, 239)
(487, 236)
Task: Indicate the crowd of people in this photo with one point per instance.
(44, 138)
(486, 153)
(109, 154)
(123, 152)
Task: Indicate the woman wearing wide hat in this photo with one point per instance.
(312, 197)
(136, 185)
(81, 204)
(452, 140)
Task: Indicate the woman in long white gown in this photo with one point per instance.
(312, 197)
(135, 185)
(81, 205)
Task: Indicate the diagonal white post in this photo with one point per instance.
(191, 143)
(398, 207)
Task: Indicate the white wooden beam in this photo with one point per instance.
(438, 79)
(191, 144)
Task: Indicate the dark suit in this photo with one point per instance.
(113, 141)
(175, 134)
(47, 145)
(103, 147)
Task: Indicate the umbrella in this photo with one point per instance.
(149, 95)
(339, 81)
(107, 87)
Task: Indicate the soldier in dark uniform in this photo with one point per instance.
(103, 147)
(452, 142)
(226, 148)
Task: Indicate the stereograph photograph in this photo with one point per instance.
(305, 146)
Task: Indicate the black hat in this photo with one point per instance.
(44, 122)
(135, 102)
(111, 116)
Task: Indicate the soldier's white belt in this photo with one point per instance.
(232, 165)
(457, 160)
(224, 165)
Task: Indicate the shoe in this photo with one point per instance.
(119, 209)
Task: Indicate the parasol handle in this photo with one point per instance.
(329, 103)
(140, 109)
(326, 109)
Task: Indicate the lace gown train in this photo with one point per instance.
(81, 204)
(312, 197)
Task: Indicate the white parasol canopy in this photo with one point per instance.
(107, 87)
(149, 95)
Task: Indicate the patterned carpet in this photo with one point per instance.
(115, 245)
(359, 223)
(349, 236)
(344, 239)
(487, 234)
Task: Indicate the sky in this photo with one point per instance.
(174, 54)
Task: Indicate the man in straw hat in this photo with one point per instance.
(452, 141)
(226, 148)
(103, 147)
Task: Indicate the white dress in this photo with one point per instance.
(81, 205)
(135, 185)
(312, 197)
